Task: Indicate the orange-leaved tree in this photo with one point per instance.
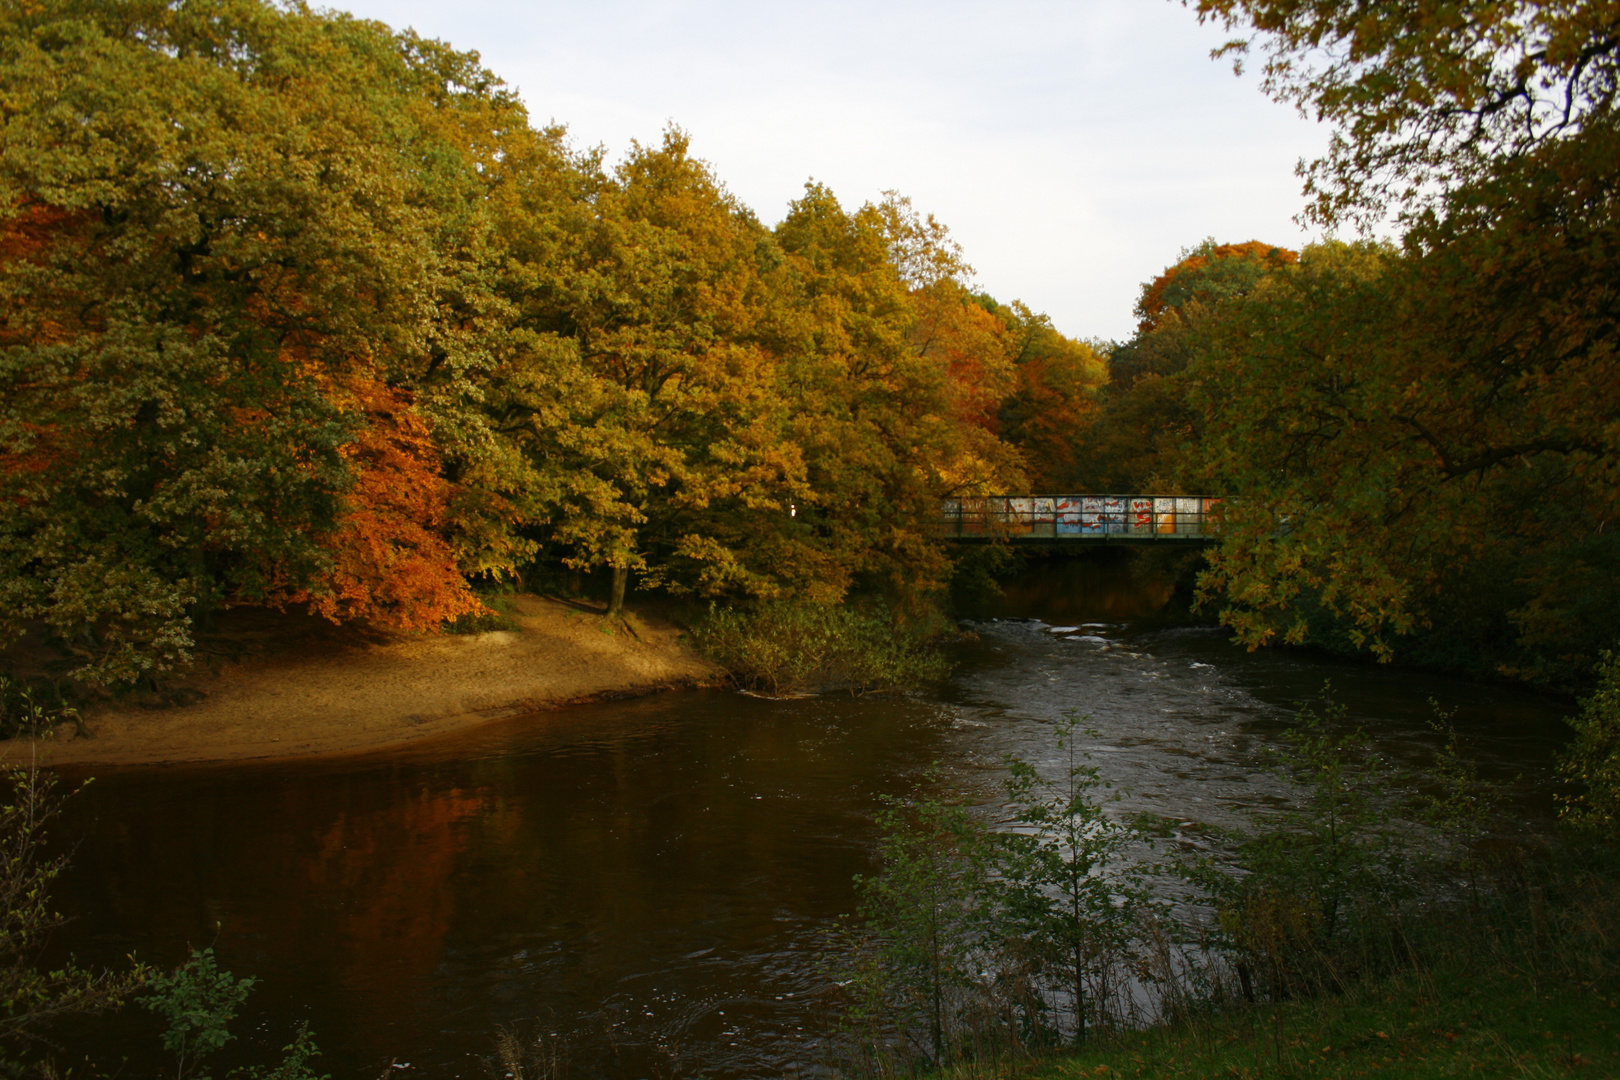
(389, 560)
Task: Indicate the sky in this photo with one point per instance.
(1073, 147)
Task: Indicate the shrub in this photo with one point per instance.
(973, 942)
(22, 713)
(1064, 889)
(781, 647)
(913, 982)
(499, 613)
(198, 1000)
(1593, 759)
(1314, 891)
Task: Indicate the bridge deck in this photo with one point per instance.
(1086, 519)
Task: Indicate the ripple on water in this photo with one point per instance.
(649, 883)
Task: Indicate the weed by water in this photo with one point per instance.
(1592, 762)
(976, 943)
(781, 647)
(1351, 933)
(1496, 998)
(32, 998)
(1312, 895)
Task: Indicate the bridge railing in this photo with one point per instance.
(1081, 517)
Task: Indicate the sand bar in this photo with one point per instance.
(301, 687)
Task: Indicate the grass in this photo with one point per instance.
(1509, 987)
(1450, 1023)
(784, 648)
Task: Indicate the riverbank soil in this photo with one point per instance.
(288, 685)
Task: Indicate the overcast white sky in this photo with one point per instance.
(1073, 147)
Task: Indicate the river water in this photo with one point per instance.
(646, 886)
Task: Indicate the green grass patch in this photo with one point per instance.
(1454, 1022)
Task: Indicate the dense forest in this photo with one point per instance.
(1417, 436)
(301, 311)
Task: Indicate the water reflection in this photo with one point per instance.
(650, 880)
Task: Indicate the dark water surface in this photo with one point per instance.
(651, 881)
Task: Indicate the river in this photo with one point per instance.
(648, 885)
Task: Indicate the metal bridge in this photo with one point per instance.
(1087, 519)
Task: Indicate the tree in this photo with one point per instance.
(1144, 429)
(310, 313)
(1449, 412)
(1055, 398)
(1427, 98)
(1065, 889)
(259, 216)
(388, 560)
(886, 430)
(649, 411)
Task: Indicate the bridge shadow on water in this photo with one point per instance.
(1146, 586)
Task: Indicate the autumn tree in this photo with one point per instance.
(1144, 431)
(1054, 399)
(1467, 425)
(875, 357)
(198, 284)
(295, 309)
(954, 330)
(649, 410)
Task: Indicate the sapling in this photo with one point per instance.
(923, 915)
(199, 999)
(1065, 888)
(1322, 876)
(31, 997)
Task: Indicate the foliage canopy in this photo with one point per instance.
(295, 309)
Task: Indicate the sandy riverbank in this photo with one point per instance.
(303, 687)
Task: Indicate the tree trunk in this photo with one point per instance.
(621, 578)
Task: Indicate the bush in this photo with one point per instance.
(198, 1000)
(1064, 887)
(783, 648)
(914, 986)
(1314, 892)
(974, 942)
(22, 713)
(499, 614)
(1593, 759)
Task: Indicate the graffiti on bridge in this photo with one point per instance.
(1081, 517)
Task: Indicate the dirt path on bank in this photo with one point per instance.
(303, 687)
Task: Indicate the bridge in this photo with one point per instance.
(1087, 519)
